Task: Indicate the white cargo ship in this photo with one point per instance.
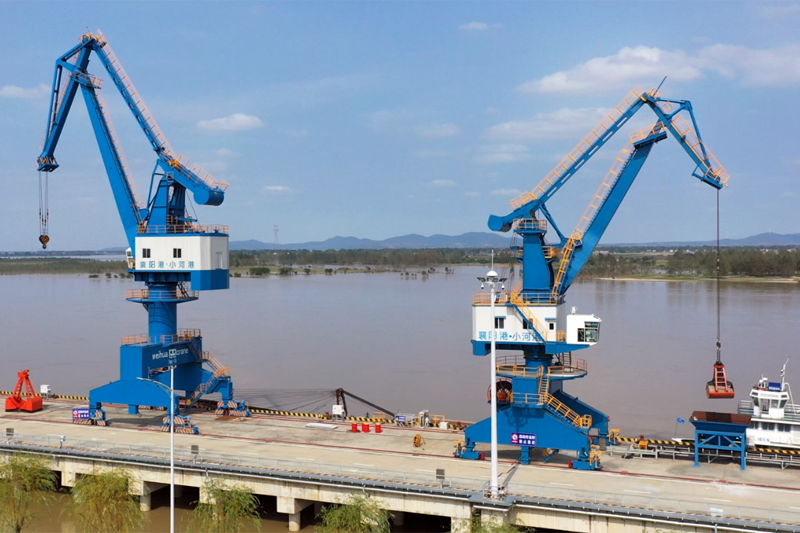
(775, 418)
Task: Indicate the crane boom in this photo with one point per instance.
(708, 168)
(71, 75)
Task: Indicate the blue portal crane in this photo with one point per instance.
(168, 250)
(534, 411)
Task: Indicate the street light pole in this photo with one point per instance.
(172, 450)
(491, 279)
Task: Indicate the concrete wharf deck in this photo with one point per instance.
(300, 465)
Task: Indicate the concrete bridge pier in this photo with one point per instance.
(68, 478)
(494, 516)
(294, 508)
(460, 524)
(144, 489)
(398, 518)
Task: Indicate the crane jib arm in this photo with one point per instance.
(71, 75)
(707, 170)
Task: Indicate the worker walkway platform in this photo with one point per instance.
(305, 454)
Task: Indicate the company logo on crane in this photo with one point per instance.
(171, 353)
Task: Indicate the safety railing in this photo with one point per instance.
(147, 294)
(113, 140)
(566, 256)
(89, 80)
(644, 133)
(520, 371)
(196, 173)
(528, 314)
(565, 496)
(577, 367)
(145, 229)
(485, 298)
(696, 145)
(650, 504)
(555, 405)
(183, 335)
(549, 252)
(212, 361)
(583, 147)
(128, 89)
(530, 224)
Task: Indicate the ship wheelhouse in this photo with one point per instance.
(775, 419)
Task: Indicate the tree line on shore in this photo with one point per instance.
(383, 258)
(751, 262)
(748, 262)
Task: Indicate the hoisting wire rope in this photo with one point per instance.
(719, 342)
(44, 209)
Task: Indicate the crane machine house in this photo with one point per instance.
(199, 254)
(511, 326)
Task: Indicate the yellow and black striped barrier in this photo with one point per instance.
(690, 444)
(783, 451)
(284, 413)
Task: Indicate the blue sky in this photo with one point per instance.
(377, 119)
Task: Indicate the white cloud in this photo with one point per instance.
(502, 153)
(275, 188)
(472, 194)
(224, 152)
(559, 125)
(491, 111)
(505, 192)
(774, 67)
(25, 93)
(779, 11)
(479, 26)
(438, 131)
(443, 183)
(235, 122)
(629, 66)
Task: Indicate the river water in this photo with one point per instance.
(405, 343)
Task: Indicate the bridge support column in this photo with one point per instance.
(493, 518)
(460, 525)
(68, 478)
(399, 518)
(144, 490)
(293, 507)
(145, 502)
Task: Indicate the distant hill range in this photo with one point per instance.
(762, 239)
(465, 240)
(482, 240)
